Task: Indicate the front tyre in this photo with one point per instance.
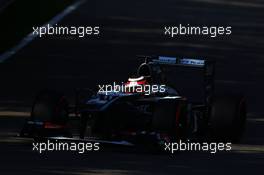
(49, 116)
(50, 106)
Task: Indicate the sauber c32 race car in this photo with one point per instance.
(153, 107)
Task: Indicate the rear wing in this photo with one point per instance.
(205, 66)
(175, 61)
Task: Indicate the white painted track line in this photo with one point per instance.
(30, 37)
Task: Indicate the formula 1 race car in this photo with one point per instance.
(163, 103)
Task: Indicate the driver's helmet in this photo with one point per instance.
(136, 85)
(152, 73)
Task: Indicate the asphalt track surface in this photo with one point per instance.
(131, 28)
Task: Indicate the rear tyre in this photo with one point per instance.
(228, 118)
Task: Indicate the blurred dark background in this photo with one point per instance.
(130, 28)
